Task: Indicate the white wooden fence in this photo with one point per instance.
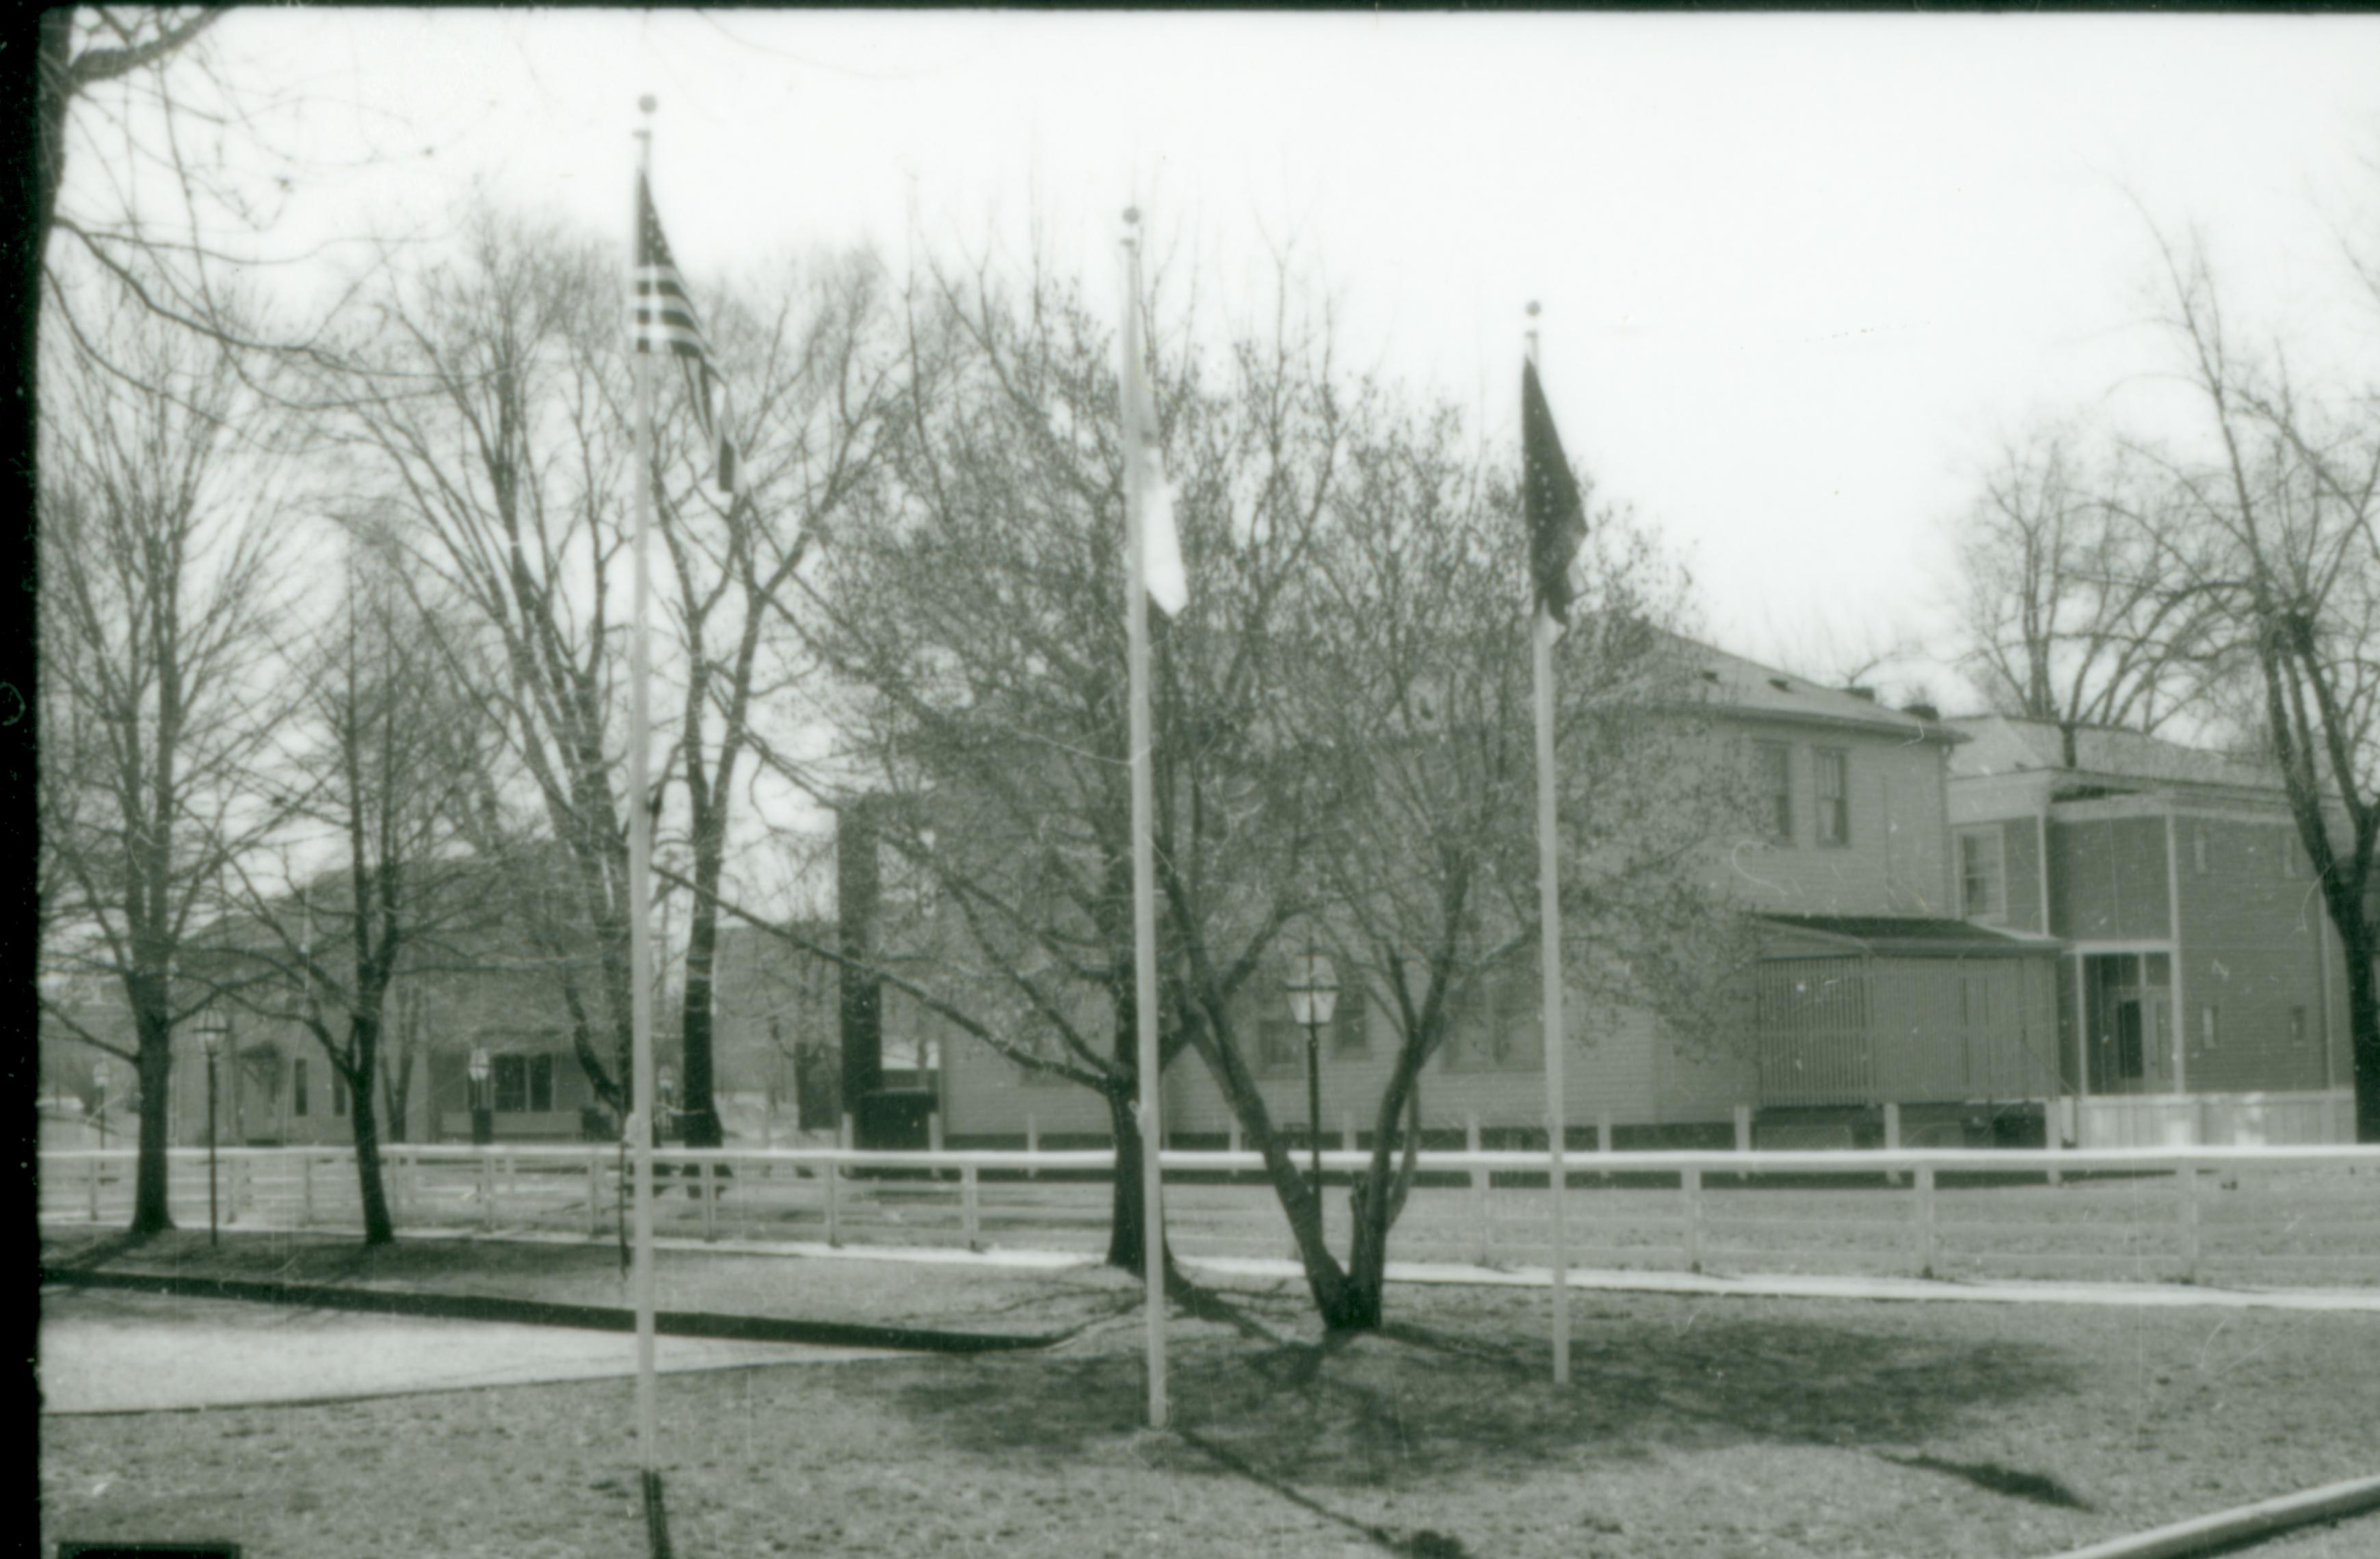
(2262, 1215)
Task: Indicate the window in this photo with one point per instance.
(1351, 1036)
(1982, 874)
(297, 1099)
(1280, 1046)
(524, 1082)
(1772, 772)
(1493, 1025)
(1833, 766)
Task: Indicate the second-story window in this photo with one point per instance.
(1982, 880)
(1772, 776)
(1833, 765)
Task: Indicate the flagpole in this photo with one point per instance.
(1144, 901)
(640, 1118)
(1543, 632)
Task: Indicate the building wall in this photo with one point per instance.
(2107, 878)
(1896, 860)
(2256, 955)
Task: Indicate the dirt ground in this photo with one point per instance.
(1693, 1427)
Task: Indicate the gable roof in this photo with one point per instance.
(1720, 681)
(2005, 745)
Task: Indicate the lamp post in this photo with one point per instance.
(1312, 994)
(211, 1032)
(483, 1117)
(99, 1078)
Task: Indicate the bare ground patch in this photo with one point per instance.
(1693, 1427)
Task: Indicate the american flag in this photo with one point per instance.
(664, 318)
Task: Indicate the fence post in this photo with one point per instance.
(2053, 1133)
(1032, 1146)
(1892, 1139)
(968, 1211)
(595, 1193)
(1235, 1133)
(934, 1132)
(829, 1176)
(2187, 1178)
(849, 1135)
(1690, 1182)
(1925, 1227)
(1479, 1226)
(487, 1191)
(1347, 1129)
(305, 1189)
(97, 1165)
(709, 1204)
(1744, 1128)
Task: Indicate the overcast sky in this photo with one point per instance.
(1797, 272)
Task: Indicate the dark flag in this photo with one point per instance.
(664, 316)
(1551, 500)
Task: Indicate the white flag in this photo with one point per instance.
(1169, 584)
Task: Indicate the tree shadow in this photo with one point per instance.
(1428, 1404)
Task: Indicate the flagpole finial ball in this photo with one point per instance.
(648, 103)
(1132, 213)
(1532, 308)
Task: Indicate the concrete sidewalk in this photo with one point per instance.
(1783, 1285)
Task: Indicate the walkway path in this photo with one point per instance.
(112, 1352)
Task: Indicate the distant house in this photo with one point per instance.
(2200, 989)
(1869, 986)
(274, 1085)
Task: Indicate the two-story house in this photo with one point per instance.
(2200, 989)
(1868, 987)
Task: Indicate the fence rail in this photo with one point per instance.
(2262, 1215)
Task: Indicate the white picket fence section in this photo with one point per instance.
(2258, 1215)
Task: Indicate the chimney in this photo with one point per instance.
(1866, 692)
(1923, 711)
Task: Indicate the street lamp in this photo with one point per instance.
(483, 1116)
(212, 1033)
(99, 1079)
(1312, 994)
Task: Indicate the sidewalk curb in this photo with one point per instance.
(711, 1325)
(2262, 1519)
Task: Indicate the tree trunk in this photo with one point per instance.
(1126, 1213)
(151, 1207)
(700, 1116)
(379, 1228)
(1300, 1203)
(2363, 1025)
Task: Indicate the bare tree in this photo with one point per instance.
(2068, 612)
(390, 762)
(814, 360)
(488, 404)
(157, 522)
(979, 633)
(2285, 542)
(1420, 686)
